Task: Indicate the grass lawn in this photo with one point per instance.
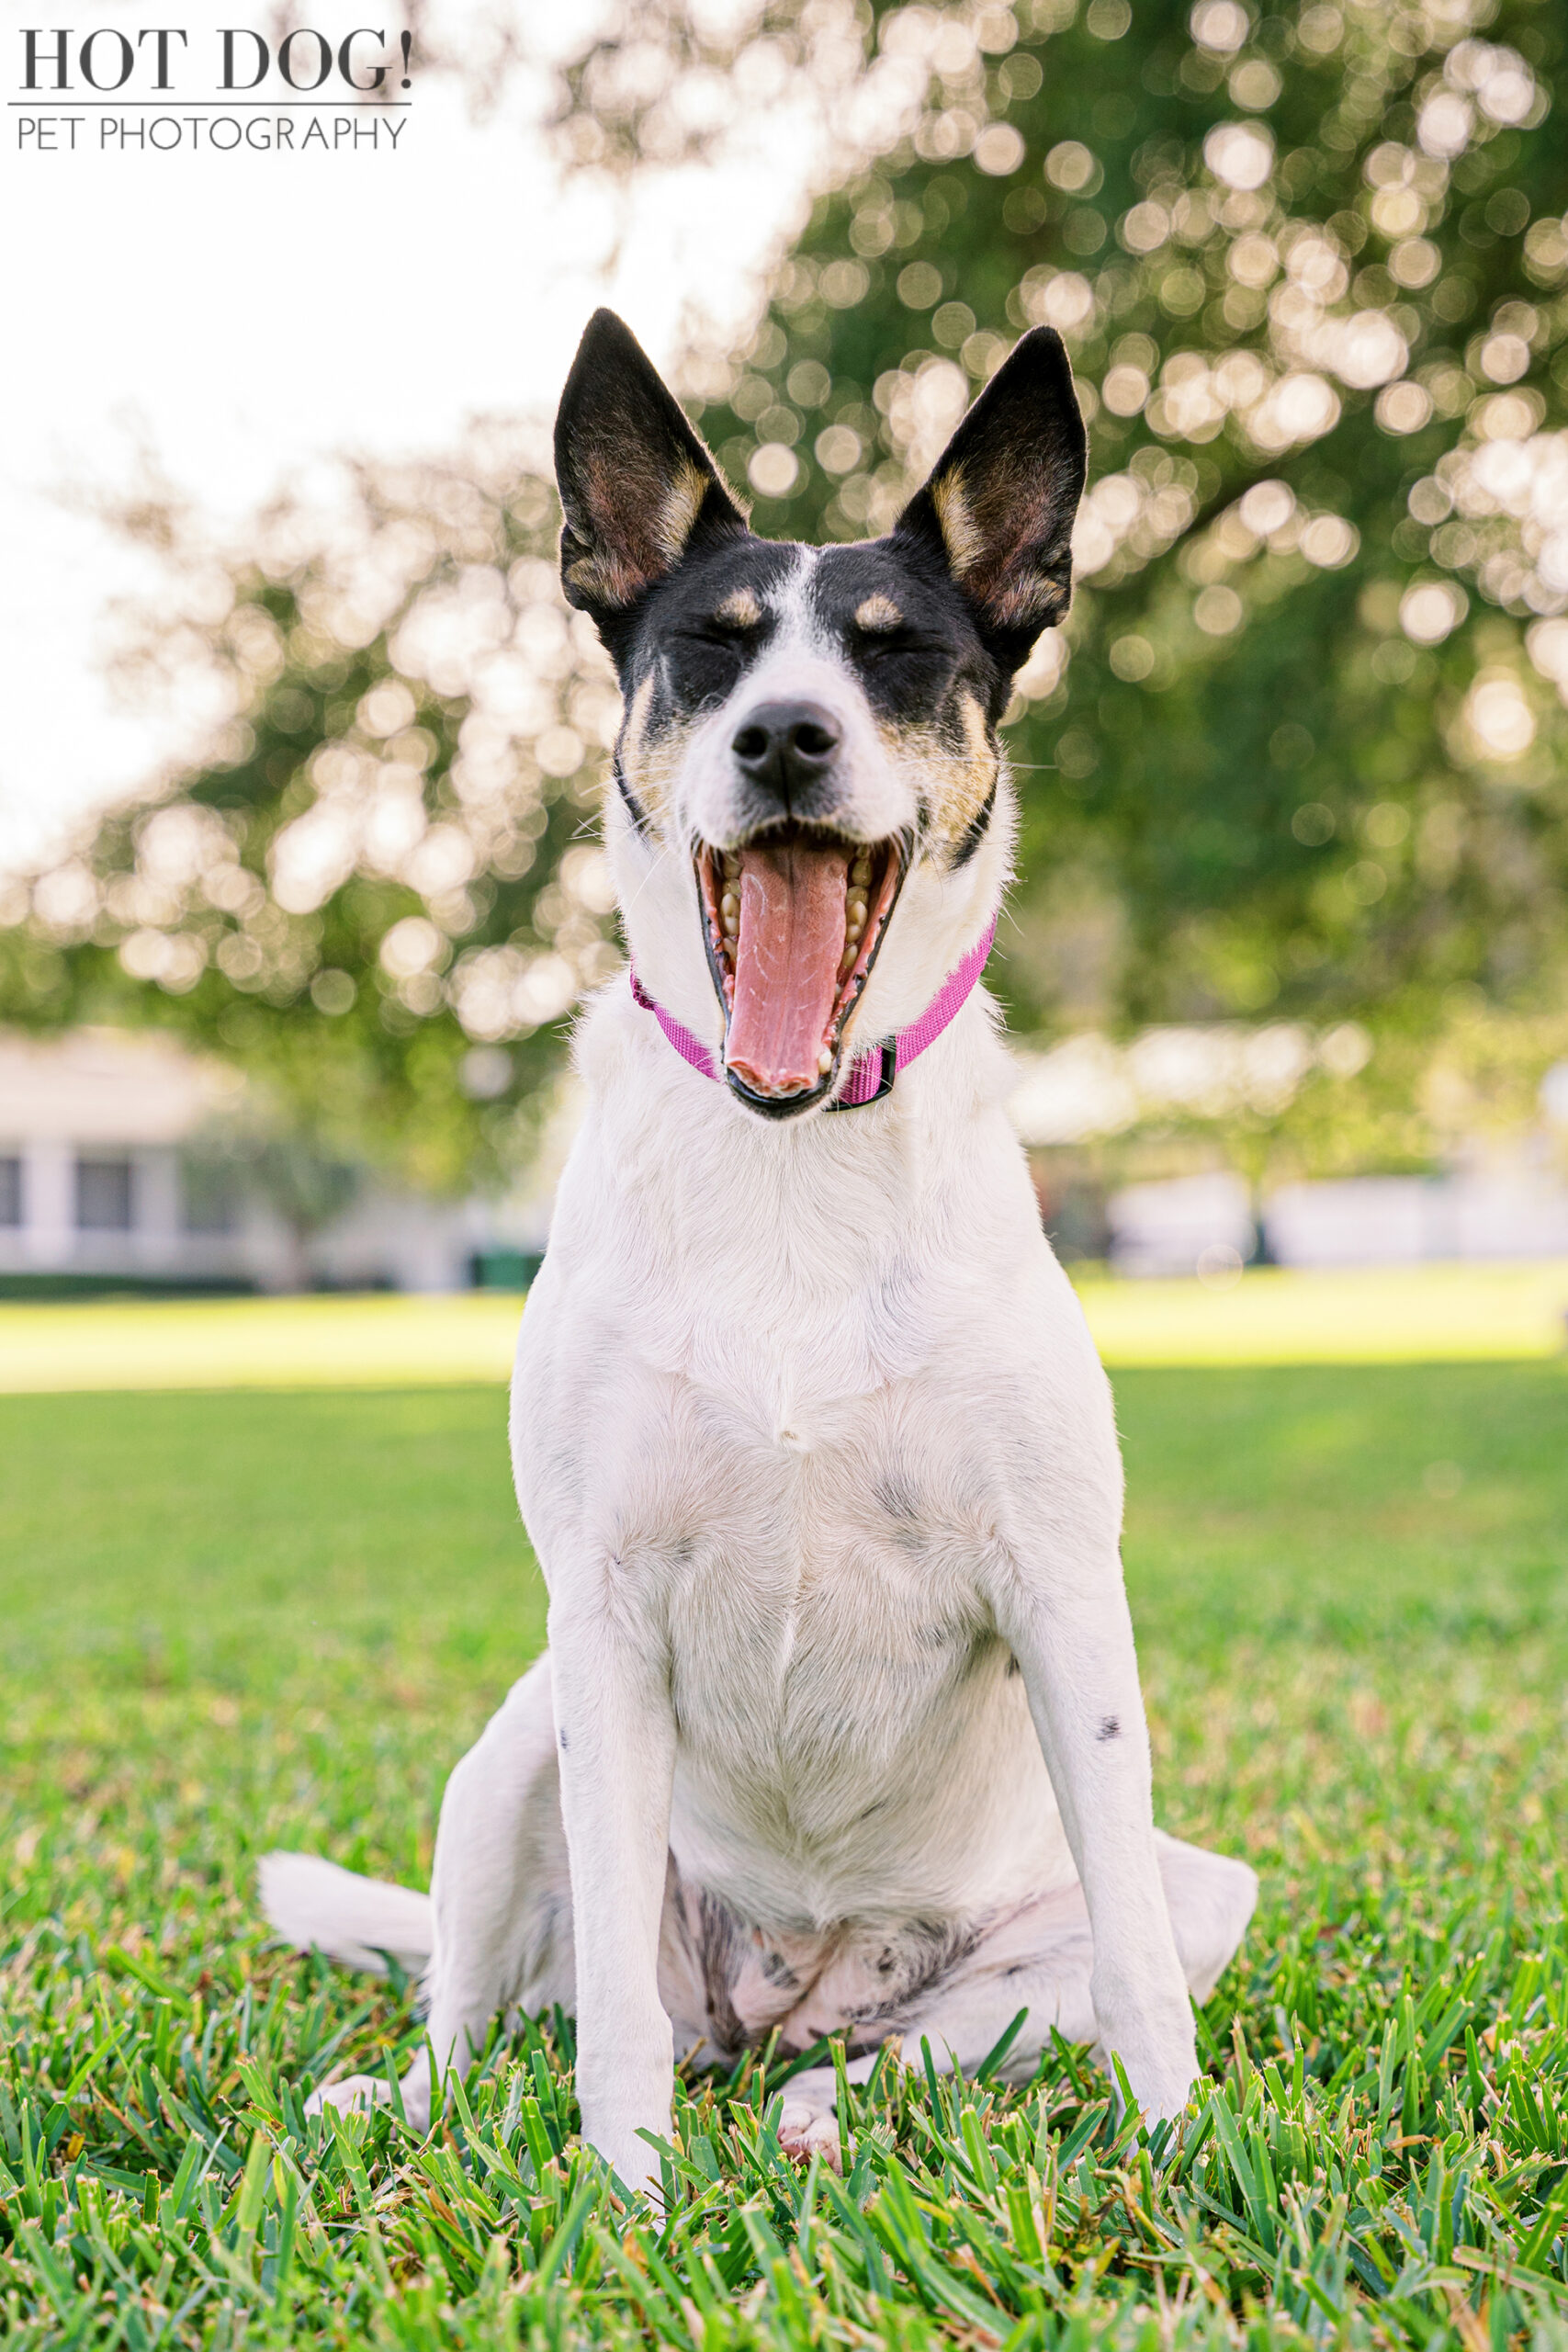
(233, 1619)
(1450, 1314)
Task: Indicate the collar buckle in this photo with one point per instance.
(889, 1051)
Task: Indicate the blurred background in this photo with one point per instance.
(299, 878)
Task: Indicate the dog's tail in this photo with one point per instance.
(355, 1920)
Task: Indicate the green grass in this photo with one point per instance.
(1459, 1313)
(230, 1620)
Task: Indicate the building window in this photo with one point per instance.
(10, 1190)
(103, 1195)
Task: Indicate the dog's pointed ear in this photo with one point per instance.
(998, 510)
(638, 489)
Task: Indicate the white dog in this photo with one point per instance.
(839, 1728)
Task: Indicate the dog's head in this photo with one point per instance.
(811, 818)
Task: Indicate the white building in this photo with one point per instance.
(1504, 1205)
(1181, 1225)
(103, 1179)
(1502, 1199)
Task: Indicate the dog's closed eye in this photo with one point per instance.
(887, 644)
(715, 634)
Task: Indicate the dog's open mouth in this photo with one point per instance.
(792, 922)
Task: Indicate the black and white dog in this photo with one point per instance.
(839, 1728)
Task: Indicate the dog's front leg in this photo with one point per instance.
(1072, 1636)
(616, 1736)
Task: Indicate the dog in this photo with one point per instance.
(840, 1729)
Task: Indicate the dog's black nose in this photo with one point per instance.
(787, 747)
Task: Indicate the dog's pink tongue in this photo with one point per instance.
(787, 965)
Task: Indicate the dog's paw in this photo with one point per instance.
(807, 2130)
(355, 2094)
(1162, 2082)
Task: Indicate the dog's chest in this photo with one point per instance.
(824, 1601)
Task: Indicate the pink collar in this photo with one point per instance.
(872, 1073)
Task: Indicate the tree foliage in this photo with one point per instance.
(1300, 748)
(374, 890)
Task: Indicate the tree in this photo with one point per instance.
(374, 887)
(1300, 748)
(279, 1161)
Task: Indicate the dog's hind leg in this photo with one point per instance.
(500, 1887)
(1042, 1958)
(500, 1902)
(1037, 1956)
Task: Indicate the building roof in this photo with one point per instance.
(106, 1086)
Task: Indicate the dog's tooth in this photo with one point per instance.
(847, 960)
(824, 1062)
(860, 872)
(729, 904)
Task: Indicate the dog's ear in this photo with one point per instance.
(998, 510)
(638, 489)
